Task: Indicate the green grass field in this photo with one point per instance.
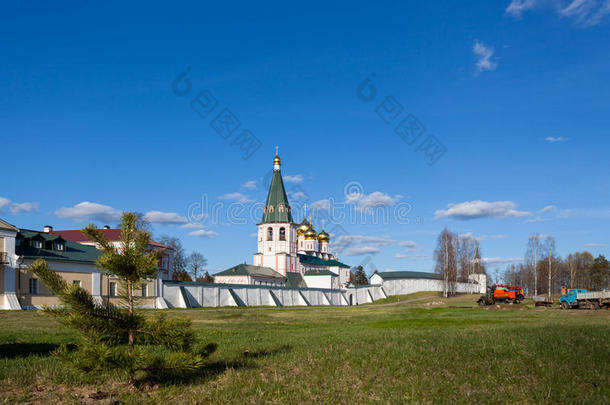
(420, 348)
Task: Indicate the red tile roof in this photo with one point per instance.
(113, 235)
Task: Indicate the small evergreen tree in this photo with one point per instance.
(117, 338)
(358, 277)
(206, 278)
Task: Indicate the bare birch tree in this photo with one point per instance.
(531, 257)
(550, 247)
(446, 262)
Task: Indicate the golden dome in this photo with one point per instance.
(323, 236)
(303, 227)
(276, 160)
(310, 233)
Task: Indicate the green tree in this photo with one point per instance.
(358, 277)
(119, 338)
(206, 278)
(600, 273)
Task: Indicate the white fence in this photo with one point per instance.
(178, 294)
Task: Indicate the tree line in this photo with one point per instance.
(456, 258)
(544, 272)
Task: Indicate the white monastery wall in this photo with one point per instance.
(189, 295)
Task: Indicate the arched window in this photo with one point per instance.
(282, 232)
(269, 233)
(271, 208)
(281, 208)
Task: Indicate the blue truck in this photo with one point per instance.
(581, 298)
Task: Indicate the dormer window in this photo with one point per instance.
(281, 208)
(271, 208)
(58, 246)
(37, 244)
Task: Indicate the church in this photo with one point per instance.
(289, 254)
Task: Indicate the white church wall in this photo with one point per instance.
(320, 281)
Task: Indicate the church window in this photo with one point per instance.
(282, 233)
(281, 208)
(270, 208)
(269, 233)
(33, 286)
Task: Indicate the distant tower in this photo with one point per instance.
(310, 239)
(323, 239)
(277, 234)
(301, 229)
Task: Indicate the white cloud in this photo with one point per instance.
(586, 13)
(484, 54)
(321, 205)
(168, 218)
(517, 7)
(361, 250)
(401, 256)
(548, 208)
(501, 260)
(354, 245)
(297, 178)
(482, 237)
(191, 225)
(249, 185)
(480, 209)
(409, 244)
(297, 195)
(26, 207)
(536, 219)
(18, 208)
(497, 236)
(203, 233)
(89, 211)
(555, 139)
(376, 199)
(4, 202)
(237, 197)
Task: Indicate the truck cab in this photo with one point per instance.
(569, 300)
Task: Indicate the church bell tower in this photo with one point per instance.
(277, 234)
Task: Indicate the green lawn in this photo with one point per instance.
(429, 350)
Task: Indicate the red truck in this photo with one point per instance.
(511, 294)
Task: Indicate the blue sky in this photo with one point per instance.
(515, 93)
